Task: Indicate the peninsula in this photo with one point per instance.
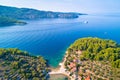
(93, 58)
(13, 15)
(7, 21)
(28, 13)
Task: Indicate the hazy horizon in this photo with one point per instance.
(82, 6)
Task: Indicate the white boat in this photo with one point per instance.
(85, 22)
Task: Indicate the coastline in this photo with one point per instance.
(61, 69)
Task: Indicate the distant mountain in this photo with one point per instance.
(27, 13)
(12, 15)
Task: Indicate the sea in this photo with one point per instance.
(50, 38)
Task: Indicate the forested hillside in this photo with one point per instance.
(98, 58)
(16, 64)
(27, 13)
(98, 49)
(12, 15)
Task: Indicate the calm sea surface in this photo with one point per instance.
(51, 37)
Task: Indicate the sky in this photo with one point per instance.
(83, 6)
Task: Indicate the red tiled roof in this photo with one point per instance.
(73, 69)
(72, 65)
(88, 78)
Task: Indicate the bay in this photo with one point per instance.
(51, 37)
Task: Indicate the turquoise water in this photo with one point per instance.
(51, 37)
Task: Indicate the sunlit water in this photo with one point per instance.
(51, 37)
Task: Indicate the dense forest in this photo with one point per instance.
(7, 21)
(27, 13)
(100, 58)
(16, 65)
(98, 49)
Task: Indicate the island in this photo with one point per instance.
(86, 59)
